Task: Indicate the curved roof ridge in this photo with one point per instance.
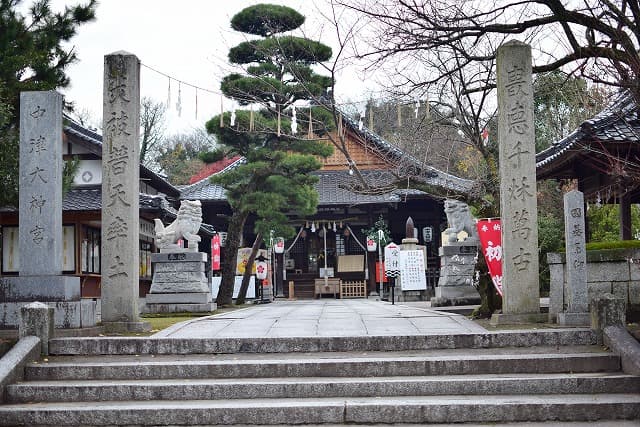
(621, 107)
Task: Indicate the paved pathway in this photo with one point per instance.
(324, 317)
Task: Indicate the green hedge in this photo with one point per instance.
(621, 244)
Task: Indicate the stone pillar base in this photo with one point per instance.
(180, 308)
(455, 295)
(125, 327)
(67, 314)
(409, 296)
(574, 319)
(517, 319)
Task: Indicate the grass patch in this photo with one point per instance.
(160, 321)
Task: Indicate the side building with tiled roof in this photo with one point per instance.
(81, 216)
(603, 155)
(335, 233)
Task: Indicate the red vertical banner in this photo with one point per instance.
(490, 234)
(215, 252)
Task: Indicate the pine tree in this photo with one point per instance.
(32, 57)
(275, 179)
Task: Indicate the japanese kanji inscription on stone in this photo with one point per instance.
(120, 188)
(40, 221)
(518, 205)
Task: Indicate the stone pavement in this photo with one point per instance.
(325, 318)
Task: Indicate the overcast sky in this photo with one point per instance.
(187, 40)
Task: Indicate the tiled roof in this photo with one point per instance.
(90, 199)
(340, 188)
(619, 122)
(333, 187)
(432, 176)
(82, 199)
(213, 168)
(204, 190)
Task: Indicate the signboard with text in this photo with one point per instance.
(412, 277)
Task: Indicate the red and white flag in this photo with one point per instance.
(490, 234)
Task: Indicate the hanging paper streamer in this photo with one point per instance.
(221, 112)
(169, 95)
(294, 121)
(362, 114)
(179, 102)
(233, 116)
(417, 107)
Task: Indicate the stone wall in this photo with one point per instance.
(614, 271)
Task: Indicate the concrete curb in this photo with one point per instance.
(12, 365)
(145, 345)
(620, 341)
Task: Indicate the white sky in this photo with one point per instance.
(187, 40)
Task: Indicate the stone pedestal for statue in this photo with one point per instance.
(457, 258)
(457, 265)
(179, 284)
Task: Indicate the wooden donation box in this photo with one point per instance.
(331, 287)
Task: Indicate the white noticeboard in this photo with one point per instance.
(251, 291)
(391, 257)
(412, 277)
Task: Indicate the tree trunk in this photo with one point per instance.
(234, 234)
(490, 301)
(242, 294)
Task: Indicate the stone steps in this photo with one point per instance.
(410, 409)
(340, 365)
(474, 378)
(247, 388)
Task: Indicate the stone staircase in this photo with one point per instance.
(481, 378)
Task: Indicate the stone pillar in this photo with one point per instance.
(280, 275)
(37, 319)
(40, 222)
(576, 253)
(412, 280)
(120, 192)
(518, 204)
(608, 310)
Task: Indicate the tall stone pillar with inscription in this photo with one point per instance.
(577, 310)
(121, 193)
(40, 221)
(457, 258)
(518, 203)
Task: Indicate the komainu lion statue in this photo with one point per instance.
(185, 226)
(459, 219)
